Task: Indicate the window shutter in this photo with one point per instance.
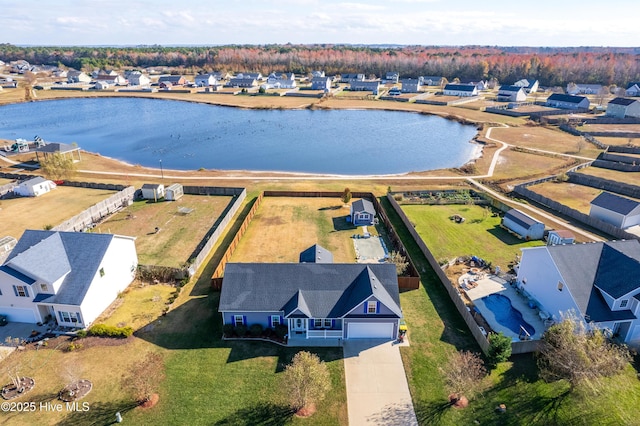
(281, 320)
(26, 290)
(15, 290)
(60, 315)
(244, 320)
(377, 307)
(366, 307)
(79, 317)
(269, 322)
(333, 323)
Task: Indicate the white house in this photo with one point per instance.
(529, 86)
(206, 80)
(623, 107)
(511, 94)
(560, 236)
(523, 225)
(462, 90)
(362, 212)
(584, 89)
(633, 89)
(136, 78)
(34, 187)
(431, 80)
(559, 100)
(77, 77)
(153, 191)
(102, 85)
(600, 282)
(616, 210)
(71, 277)
(365, 85)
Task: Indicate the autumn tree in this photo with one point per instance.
(399, 260)
(463, 374)
(57, 166)
(306, 381)
(582, 356)
(346, 196)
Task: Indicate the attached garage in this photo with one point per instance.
(18, 315)
(370, 330)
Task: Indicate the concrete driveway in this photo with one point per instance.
(377, 389)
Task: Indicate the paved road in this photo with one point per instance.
(377, 389)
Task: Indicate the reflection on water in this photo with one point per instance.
(190, 136)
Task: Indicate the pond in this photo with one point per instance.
(190, 136)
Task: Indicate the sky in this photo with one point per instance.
(405, 22)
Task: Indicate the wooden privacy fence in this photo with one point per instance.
(410, 281)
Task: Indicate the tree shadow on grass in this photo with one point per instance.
(259, 415)
(98, 413)
(431, 413)
(243, 350)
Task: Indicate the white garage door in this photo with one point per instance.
(19, 315)
(370, 330)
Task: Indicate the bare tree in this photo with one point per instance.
(306, 380)
(463, 375)
(579, 355)
(581, 144)
(399, 260)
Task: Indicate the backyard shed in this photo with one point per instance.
(152, 191)
(616, 210)
(34, 187)
(174, 192)
(362, 212)
(523, 225)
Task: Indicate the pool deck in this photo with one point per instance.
(491, 284)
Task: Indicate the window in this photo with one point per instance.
(275, 320)
(317, 323)
(327, 323)
(372, 307)
(21, 290)
(102, 272)
(44, 288)
(238, 320)
(624, 303)
(64, 316)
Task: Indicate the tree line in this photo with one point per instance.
(550, 65)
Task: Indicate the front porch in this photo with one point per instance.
(314, 332)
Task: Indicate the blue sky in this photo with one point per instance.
(425, 22)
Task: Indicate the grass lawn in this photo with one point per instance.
(577, 197)
(514, 164)
(627, 177)
(51, 208)
(546, 139)
(480, 234)
(436, 329)
(179, 233)
(283, 227)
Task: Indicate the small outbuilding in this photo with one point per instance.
(523, 225)
(153, 191)
(316, 254)
(362, 213)
(559, 237)
(616, 210)
(174, 192)
(34, 187)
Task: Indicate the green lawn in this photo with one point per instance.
(436, 329)
(480, 234)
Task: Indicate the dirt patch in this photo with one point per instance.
(306, 411)
(75, 391)
(151, 402)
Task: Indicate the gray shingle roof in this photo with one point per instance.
(49, 254)
(613, 267)
(316, 254)
(54, 147)
(510, 88)
(520, 218)
(622, 101)
(363, 205)
(461, 87)
(615, 203)
(566, 98)
(322, 290)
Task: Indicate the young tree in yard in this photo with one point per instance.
(463, 376)
(57, 166)
(581, 144)
(346, 196)
(499, 348)
(306, 380)
(399, 260)
(579, 355)
(145, 377)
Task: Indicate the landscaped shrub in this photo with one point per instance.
(103, 330)
(241, 330)
(281, 330)
(268, 332)
(255, 330)
(499, 348)
(81, 334)
(227, 329)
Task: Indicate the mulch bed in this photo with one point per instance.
(75, 391)
(61, 342)
(10, 391)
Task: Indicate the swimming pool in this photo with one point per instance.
(506, 315)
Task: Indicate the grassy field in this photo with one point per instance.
(577, 197)
(479, 235)
(436, 330)
(49, 209)
(619, 141)
(518, 166)
(283, 227)
(179, 233)
(546, 139)
(627, 177)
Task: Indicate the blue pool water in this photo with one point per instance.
(506, 314)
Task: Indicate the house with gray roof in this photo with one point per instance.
(529, 86)
(320, 303)
(321, 83)
(68, 277)
(362, 212)
(34, 187)
(461, 90)
(350, 78)
(392, 77)
(411, 85)
(511, 94)
(623, 107)
(242, 82)
(633, 89)
(431, 80)
(584, 89)
(562, 101)
(618, 211)
(206, 80)
(365, 86)
(523, 225)
(599, 282)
